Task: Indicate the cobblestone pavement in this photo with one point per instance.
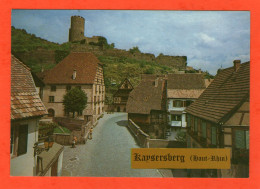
(108, 154)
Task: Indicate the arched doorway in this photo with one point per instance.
(51, 112)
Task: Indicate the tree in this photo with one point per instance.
(75, 100)
(134, 50)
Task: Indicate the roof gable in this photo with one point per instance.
(224, 95)
(25, 101)
(84, 64)
(147, 96)
(126, 84)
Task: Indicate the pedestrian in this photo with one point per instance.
(74, 141)
(90, 133)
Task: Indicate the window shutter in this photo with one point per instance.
(213, 135)
(196, 124)
(240, 139)
(247, 139)
(204, 129)
(22, 140)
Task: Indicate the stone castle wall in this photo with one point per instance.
(42, 56)
(175, 62)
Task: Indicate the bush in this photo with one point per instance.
(181, 136)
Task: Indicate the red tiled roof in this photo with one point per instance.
(189, 85)
(146, 96)
(184, 93)
(25, 101)
(85, 64)
(186, 81)
(226, 93)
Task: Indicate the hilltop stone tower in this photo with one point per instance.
(77, 27)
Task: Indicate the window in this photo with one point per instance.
(204, 129)
(242, 139)
(53, 88)
(214, 135)
(19, 139)
(177, 103)
(176, 117)
(51, 98)
(68, 87)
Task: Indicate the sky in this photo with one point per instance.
(209, 39)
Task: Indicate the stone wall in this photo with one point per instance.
(78, 128)
(175, 62)
(141, 136)
(62, 138)
(42, 56)
(145, 141)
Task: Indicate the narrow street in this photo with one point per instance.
(108, 154)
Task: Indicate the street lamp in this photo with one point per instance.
(48, 143)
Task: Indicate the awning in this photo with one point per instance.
(176, 112)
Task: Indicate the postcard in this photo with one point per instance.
(102, 94)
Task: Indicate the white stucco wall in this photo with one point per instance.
(91, 91)
(170, 107)
(59, 169)
(58, 97)
(24, 165)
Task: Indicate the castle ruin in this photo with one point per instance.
(76, 31)
(76, 34)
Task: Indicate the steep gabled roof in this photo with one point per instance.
(147, 96)
(224, 95)
(185, 85)
(85, 64)
(122, 91)
(126, 81)
(186, 81)
(25, 101)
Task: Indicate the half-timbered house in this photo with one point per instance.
(121, 96)
(219, 118)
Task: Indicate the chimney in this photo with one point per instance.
(74, 74)
(236, 64)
